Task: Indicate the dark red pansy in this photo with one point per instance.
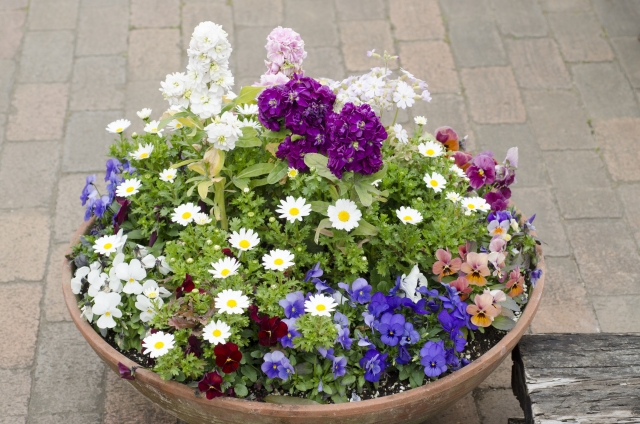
(186, 287)
(271, 329)
(211, 385)
(126, 372)
(227, 357)
(228, 252)
(194, 345)
(253, 314)
(122, 214)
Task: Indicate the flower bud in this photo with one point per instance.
(272, 219)
(189, 260)
(209, 242)
(246, 190)
(216, 247)
(251, 214)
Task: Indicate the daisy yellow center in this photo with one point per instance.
(430, 152)
(471, 206)
(217, 333)
(108, 245)
(321, 307)
(225, 272)
(144, 155)
(186, 215)
(344, 216)
(433, 183)
(408, 218)
(119, 129)
(130, 189)
(244, 244)
(294, 211)
(159, 345)
(169, 176)
(293, 173)
(232, 303)
(278, 261)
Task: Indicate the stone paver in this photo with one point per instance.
(25, 256)
(20, 336)
(557, 78)
(493, 95)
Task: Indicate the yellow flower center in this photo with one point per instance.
(152, 295)
(159, 345)
(481, 172)
(433, 183)
(130, 189)
(431, 152)
(108, 246)
(225, 272)
(278, 261)
(293, 173)
(471, 206)
(169, 176)
(186, 215)
(217, 333)
(131, 280)
(232, 303)
(144, 155)
(321, 307)
(119, 129)
(108, 313)
(408, 218)
(294, 211)
(344, 216)
(244, 244)
(497, 230)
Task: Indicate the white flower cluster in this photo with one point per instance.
(379, 91)
(224, 131)
(208, 76)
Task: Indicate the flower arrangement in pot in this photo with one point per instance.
(283, 245)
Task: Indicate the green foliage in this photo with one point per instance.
(317, 331)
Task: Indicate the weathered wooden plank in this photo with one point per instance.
(578, 378)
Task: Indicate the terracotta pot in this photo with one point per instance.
(413, 406)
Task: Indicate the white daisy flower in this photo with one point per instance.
(216, 332)
(231, 301)
(106, 245)
(225, 267)
(157, 344)
(147, 307)
(458, 171)
(128, 187)
(201, 218)
(420, 120)
(409, 215)
(184, 214)
(292, 172)
(131, 273)
(151, 290)
(144, 113)
(293, 209)
(430, 149)
(320, 305)
(483, 205)
(168, 175)
(249, 123)
(175, 125)
(473, 204)
(143, 152)
(244, 239)
(278, 260)
(247, 109)
(345, 215)
(116, 127)
(435, 181)
(106, 305)
(453, 196)
(152, 128)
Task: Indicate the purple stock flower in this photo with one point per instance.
(272, 106)
(360, 290)
(410, 335)
(285, 51)
(356, 136)
(391, 328)
(482, 170)
(373, 363)
(293, 304)
(339, 366)
(433, 358)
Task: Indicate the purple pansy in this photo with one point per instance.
(433, 358)
(373, 363)
(277, 365)
(391, 328)
(359, 292)
(410, 335)
(293, 304)
(339, 366)
(482, 170)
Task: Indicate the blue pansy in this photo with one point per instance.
(293, 304)
(359, 292)
(391, 328)
(433, 358)
(339, 366)
(373, 363)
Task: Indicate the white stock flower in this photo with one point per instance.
(404, 96)
(400, 133)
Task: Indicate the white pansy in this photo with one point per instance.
(231, 302)
(151, 290)
(128, 187)
(344, 215)
(115, 284)
(278, 260)
(409, 283)
(244, 239)
(144, 113)
(409, 215)
(116, 127)
(168, 175)
(131, 273)
(147, 307)
(184, 214)
(106, 305)
(293, 209)
(320, 305)
(143, 151)
(97, 281)
(216, 332)
(435, 182)
(76, 281)
(225, 267)
(87, 312)
(163, 265)
(430, 149)
(158, 344)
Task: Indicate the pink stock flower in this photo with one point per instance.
(285, 51)
(476, 268)
(484, 310)
(269, 80)
(445, 265)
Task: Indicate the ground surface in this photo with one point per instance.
(560, 79)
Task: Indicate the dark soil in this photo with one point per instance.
(389, 384)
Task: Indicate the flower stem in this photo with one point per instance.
(395, 117)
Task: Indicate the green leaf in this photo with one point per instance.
(249, 138)
(328, 389)
(203, 188)
(256, 170)
(319, 162)
(364, 229)
(278, 172)
(249, 372)
(322, 226)
(320, 207)
(183, 163)
(258, 183)
(369, 179)
(348, 380)
(503, 323)
(510, 304)
(363, 193)
(417, 377)
(289, 400)
(301, 387)
(241, 183)
(405, 372)
(304, 368)
(241, 390)
(134, 235)
(280, 135)
(247, 94)
(257, 354)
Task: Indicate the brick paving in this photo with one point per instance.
(560, 79)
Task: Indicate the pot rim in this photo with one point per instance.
(148, 377)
